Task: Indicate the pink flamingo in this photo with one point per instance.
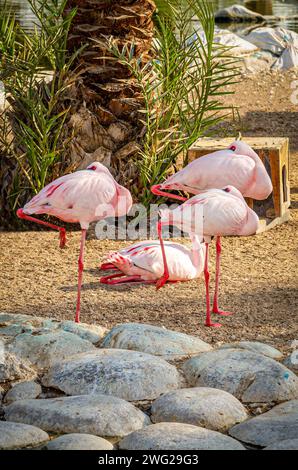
(223, 212)
(143, 262)
(238, 166)
(81, 197)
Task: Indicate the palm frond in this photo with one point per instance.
(182, 86)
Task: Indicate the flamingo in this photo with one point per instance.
(224, 212)
(81, 197)
(239, 166)
(143, 262)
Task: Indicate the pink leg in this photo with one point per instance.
(155, 190)
(107, 266)
(161, 282)
(207, 275)
(62, 230)
(80, 275)
(111, 280)
(217, 275)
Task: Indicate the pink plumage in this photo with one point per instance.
(221, 212)
(224, 212)
(143, 262)
(238, 166)
(83, 196)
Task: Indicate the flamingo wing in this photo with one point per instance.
(179, 260)
(81, 196)
(215, 170)
(224, 214)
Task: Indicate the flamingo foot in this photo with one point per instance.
(120, 262)
(218, 311)
(215, 325)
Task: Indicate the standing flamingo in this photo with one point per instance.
(223, 212)
(81, 197)
(143, 262)
(238, 166)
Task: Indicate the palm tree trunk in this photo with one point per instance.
(104, 121)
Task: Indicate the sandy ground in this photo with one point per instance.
(259, 274)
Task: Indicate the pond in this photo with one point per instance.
(285, 9)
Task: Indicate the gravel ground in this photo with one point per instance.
(259, 274)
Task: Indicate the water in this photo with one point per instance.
(22, 11)
(283, 9)
(280, 8)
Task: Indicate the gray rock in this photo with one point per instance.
(14, 324)
(154, 340)
(278, 424)
(79, 442)
(23, 391)
(288, 444)
(14, 368)
(178, 436)
(92, 333)
(286, 408)
(17, 436)
(255, 346)
(292, 361)
(101, 415)
(251, 377)
(126, 374)
(44, 350)
(202, 406)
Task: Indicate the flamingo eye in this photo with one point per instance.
(233, 148)
(227, 190)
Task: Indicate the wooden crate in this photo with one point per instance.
(274, 152)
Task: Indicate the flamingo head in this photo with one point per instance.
(241, 148)
(232, 191)
(98, 167)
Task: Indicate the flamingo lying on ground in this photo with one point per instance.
(238, 166)
(81, 197)
(223, 212)
(143, 262)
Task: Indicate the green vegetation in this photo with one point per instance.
(182, 87)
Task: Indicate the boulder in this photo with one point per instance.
(278, 424)
(125, 374)
(250, 377)
(178, 436)
(23, 391)
(92, 333)
(255, 346)
(288, 444)
(154, 340)
(14, 368)
(44, 350)
(292, 361)
(79, 442)
(101, 415)
(203, 406)
(18, 436)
